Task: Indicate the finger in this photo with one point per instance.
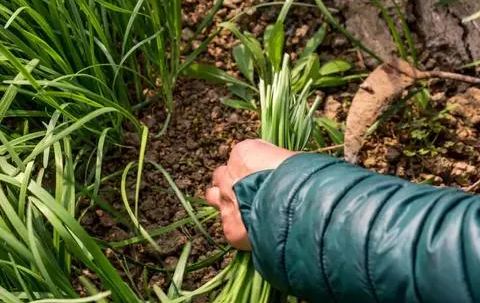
(223, 180)
(218, 175)
(213, 197)
(234, 229)
(251, 156)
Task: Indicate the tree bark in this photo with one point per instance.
(441, 38)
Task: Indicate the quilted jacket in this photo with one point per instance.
(327, 231)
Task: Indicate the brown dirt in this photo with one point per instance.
(203, 131)
(199, 139)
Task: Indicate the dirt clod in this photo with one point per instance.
(332, 108)
(467, 106)
(393, 154)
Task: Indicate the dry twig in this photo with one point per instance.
(473, 187)
(328, 148)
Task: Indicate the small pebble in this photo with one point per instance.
(393, 154)
(233, 118)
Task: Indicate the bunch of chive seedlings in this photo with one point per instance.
(286, 121)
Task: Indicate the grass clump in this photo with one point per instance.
(72, 73)
(286, 121)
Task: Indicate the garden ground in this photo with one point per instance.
(434, 146)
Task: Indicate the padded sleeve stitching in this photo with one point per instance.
(415, 249)
(368, 260)
(290, 213)
(323, 258)
(468, 284)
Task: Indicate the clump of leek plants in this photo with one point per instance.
(71, 74)
(287, 121)
(256, 61)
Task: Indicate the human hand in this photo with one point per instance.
(246, 158)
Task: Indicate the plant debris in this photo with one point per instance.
(384, 85)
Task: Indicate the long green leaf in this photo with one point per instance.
(75, 126)
(314, 42)
(334, 67)
(141, 161)
(244, 61)
(173, 291)
(94, 298)
(252, 45)
(214, 74)
(185, 203)
(10, 94)
(275, 45)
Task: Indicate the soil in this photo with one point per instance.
(203, 131)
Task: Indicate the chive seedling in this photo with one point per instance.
(286, 121)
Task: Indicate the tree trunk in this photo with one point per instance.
(440, 36)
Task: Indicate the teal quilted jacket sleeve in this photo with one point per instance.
(328, 231)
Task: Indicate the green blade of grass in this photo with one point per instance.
(58, 191)
(193, 55)
(162, 230)
(89, 249)
(95, 298)
(133, 218)
(16, 63)
(408, 34)
(174, 289)
(244, 62)
(285, 9)
(23, 190)
(91, 289)
(8, 297)
(39, 260)
(185, 203)
(131, 51)
(98, 165)
(20, 279)
(314, 42)
(331, 127)
(128, 29)
(75, 126)
(275, 43)
(393, 29)
(334, 67)
(12, 90)
(209, 17)
(24, 270)
(162, 296)
(141, 161)
(49, 134)
(214, 74)
(11, 151)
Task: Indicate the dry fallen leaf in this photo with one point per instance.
(385, 84)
